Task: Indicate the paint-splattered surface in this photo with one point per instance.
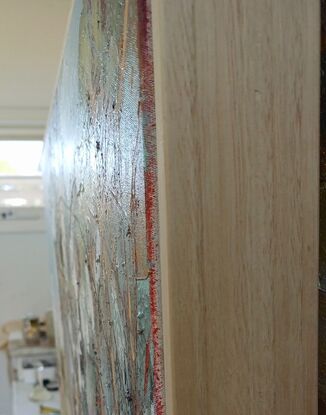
(100, 169)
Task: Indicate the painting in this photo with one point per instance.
(100, 169)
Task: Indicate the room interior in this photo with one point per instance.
(31, 42)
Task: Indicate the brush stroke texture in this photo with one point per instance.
(100, 169)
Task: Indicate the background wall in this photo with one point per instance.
(31, 38)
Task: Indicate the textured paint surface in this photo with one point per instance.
(100, 169)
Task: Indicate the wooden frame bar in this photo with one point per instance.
(237, 102)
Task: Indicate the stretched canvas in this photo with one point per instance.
(101, 185)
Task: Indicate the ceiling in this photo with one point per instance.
(31, 40)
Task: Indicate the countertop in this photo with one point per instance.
(23, 406)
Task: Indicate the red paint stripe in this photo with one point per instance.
(151, 194)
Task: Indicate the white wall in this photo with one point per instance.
(24, 288)
(31, 40)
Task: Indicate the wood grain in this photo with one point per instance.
(237, 96)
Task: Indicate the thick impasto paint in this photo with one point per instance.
(100, 169)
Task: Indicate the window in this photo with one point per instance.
(20, 158)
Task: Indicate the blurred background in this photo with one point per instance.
(31, 41)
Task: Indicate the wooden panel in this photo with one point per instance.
(237, 109)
